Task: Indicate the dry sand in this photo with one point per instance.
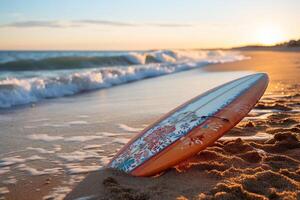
(231, 169)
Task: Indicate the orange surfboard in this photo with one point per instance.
(190, 128)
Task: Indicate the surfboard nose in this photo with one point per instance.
(264, 76)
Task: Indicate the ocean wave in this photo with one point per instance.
(17, 90)
(84, 61)
(66, 61)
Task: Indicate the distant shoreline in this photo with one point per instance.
(266, 48)
(242, 48)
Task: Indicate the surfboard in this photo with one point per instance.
(190, 128)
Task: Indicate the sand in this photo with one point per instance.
(265, 165)
(48, 148)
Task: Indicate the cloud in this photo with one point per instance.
(86, 22)
(31, 24)
(170, 25)
(64, 24)
(104, 22)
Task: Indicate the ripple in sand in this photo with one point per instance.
(260, 136)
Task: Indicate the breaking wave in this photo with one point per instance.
(46, 79)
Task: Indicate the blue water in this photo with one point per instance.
(30, 76)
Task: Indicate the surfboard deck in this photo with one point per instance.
(190, 128)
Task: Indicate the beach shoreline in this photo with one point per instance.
(72, 136)
(233, 168)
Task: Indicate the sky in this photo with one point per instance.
(144, 24)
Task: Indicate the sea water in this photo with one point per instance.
(27, 77)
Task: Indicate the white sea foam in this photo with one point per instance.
(58, 193)
(75, 179)
(108, 134)
(39, 120)
(83, 138)
(4, 170)
(40, 150)
(77, 156)
(83, 116)
(44, 137)
(4, 162)
(56, 147)
(105, 159)
(56, 125)
(3, 190)
(86, 198)
(35, 172)
(93, 146)
(76, 138)
(78, 122)
(128, 128)
(11, 180)
(22, 90)
(121, 140)
(74, 168)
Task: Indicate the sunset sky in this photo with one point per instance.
(141, 24)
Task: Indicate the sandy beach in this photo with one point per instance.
(53, 149)
(258, 159)
(96, 95)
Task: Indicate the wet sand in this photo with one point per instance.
(263, 165)
(48, 148)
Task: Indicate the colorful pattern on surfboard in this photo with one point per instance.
(180, 123)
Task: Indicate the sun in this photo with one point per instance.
(270, 36)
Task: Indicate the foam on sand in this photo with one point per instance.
(92, 146)
(3, 190)
(40, 150)
(35, 172)
(4, 170)
(105, 159)
(44, 137)
(51, 138)
(121, 140)
(83, 138)
(78, 122)
(128, 128)
(58, 193)
(4, 162)
(74, 168)
(11, 180)
(77, 156)
(108, 134)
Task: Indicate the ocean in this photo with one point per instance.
(31, 76)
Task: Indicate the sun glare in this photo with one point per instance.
(270, 36)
